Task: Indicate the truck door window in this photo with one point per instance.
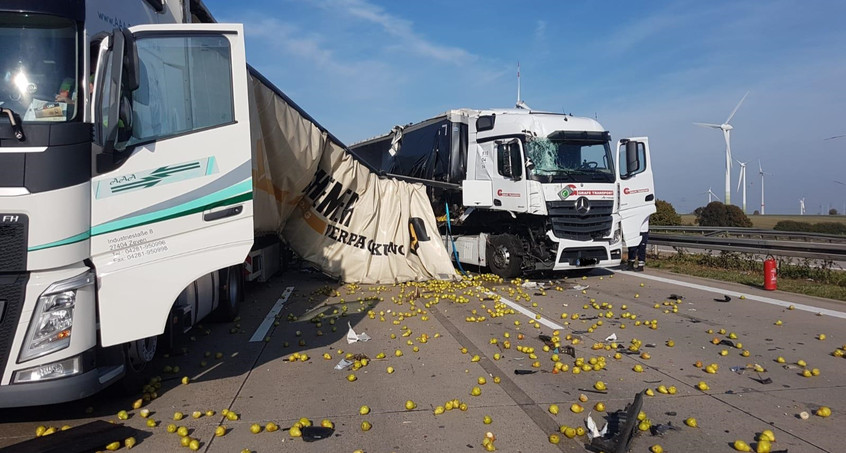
(509, 162)
(185, 85)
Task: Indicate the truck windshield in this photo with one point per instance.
(578, 160)
(38, 67)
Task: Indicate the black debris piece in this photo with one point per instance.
(518, 372)
(570, 351)
(313, 433)
(675, 297)
(661, 428)
(621, 429)
(724, 299)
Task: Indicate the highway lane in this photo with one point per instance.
(258, 382)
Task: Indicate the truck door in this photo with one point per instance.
(635, 189)
(172, 195)
(508, 175)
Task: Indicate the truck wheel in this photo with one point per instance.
(139, 353)
(504, 255)
(231, 293)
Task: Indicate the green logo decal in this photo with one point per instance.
(159, 176)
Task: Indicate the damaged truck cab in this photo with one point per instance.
(519, 191)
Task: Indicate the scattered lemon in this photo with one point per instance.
(365, 425)
(554, 439)
(576, 408)
(740, 445)
(691, 422)
(410, 405)
(255, 428)
(823, 411)
(220, 431)
(553, 409)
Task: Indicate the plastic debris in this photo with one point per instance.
(518, 372)
(724, 299)
(612, 337)
(593, 430)
(675, 297)
(581, 287)
(352, 337)
(530, 285)
(343, 364)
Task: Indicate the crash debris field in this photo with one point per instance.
(314, 365)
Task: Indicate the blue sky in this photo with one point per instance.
(641, 68)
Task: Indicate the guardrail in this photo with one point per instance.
(748, 240)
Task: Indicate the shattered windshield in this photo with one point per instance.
(570, 159)
(38, 66)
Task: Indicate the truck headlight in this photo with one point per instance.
(618, 234)
(52, 320)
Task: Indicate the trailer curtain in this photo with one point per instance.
(332, 210)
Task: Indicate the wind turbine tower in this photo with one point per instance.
(726, 128)
(802, 206)
(741, 181)
(712, 195)
(761, 172)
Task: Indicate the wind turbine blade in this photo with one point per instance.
(736, 107)
(715, 126)
(740, 178)
(760, 170)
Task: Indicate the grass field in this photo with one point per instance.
(767, 222)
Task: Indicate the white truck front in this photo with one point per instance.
(553, 190)
(117, 211)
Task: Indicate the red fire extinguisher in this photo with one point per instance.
(770, 273)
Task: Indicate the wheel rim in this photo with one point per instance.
(140, 352)
(502, 257)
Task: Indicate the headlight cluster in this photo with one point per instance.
(618, 234)
(52, 320)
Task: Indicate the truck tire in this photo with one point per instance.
(231, 293)
(504, 255)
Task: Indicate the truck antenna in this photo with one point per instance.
(520, 104)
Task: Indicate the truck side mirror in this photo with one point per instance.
(632, 161)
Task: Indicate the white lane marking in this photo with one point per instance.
(262, 329)
(766, 300)
(204, 372)
(529, 313)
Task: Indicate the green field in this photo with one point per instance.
(767, 222)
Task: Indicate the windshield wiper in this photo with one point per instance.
(15, 121)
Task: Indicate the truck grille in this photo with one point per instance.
(13, 242)
(12, 291)
(568, 223)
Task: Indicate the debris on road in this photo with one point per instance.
(352, 337)
(724, 299)
(621, 425)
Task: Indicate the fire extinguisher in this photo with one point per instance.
(770, 273)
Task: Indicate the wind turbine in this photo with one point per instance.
(742, 181)
(802, 206)
(761, 172)
(711, 194)
(726, 128)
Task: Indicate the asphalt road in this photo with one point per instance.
(258, 382)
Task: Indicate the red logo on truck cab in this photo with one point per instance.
(500, 193)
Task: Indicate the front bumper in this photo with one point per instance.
(587, 255)
(62, 389)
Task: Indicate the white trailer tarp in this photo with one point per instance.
(332, 210)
